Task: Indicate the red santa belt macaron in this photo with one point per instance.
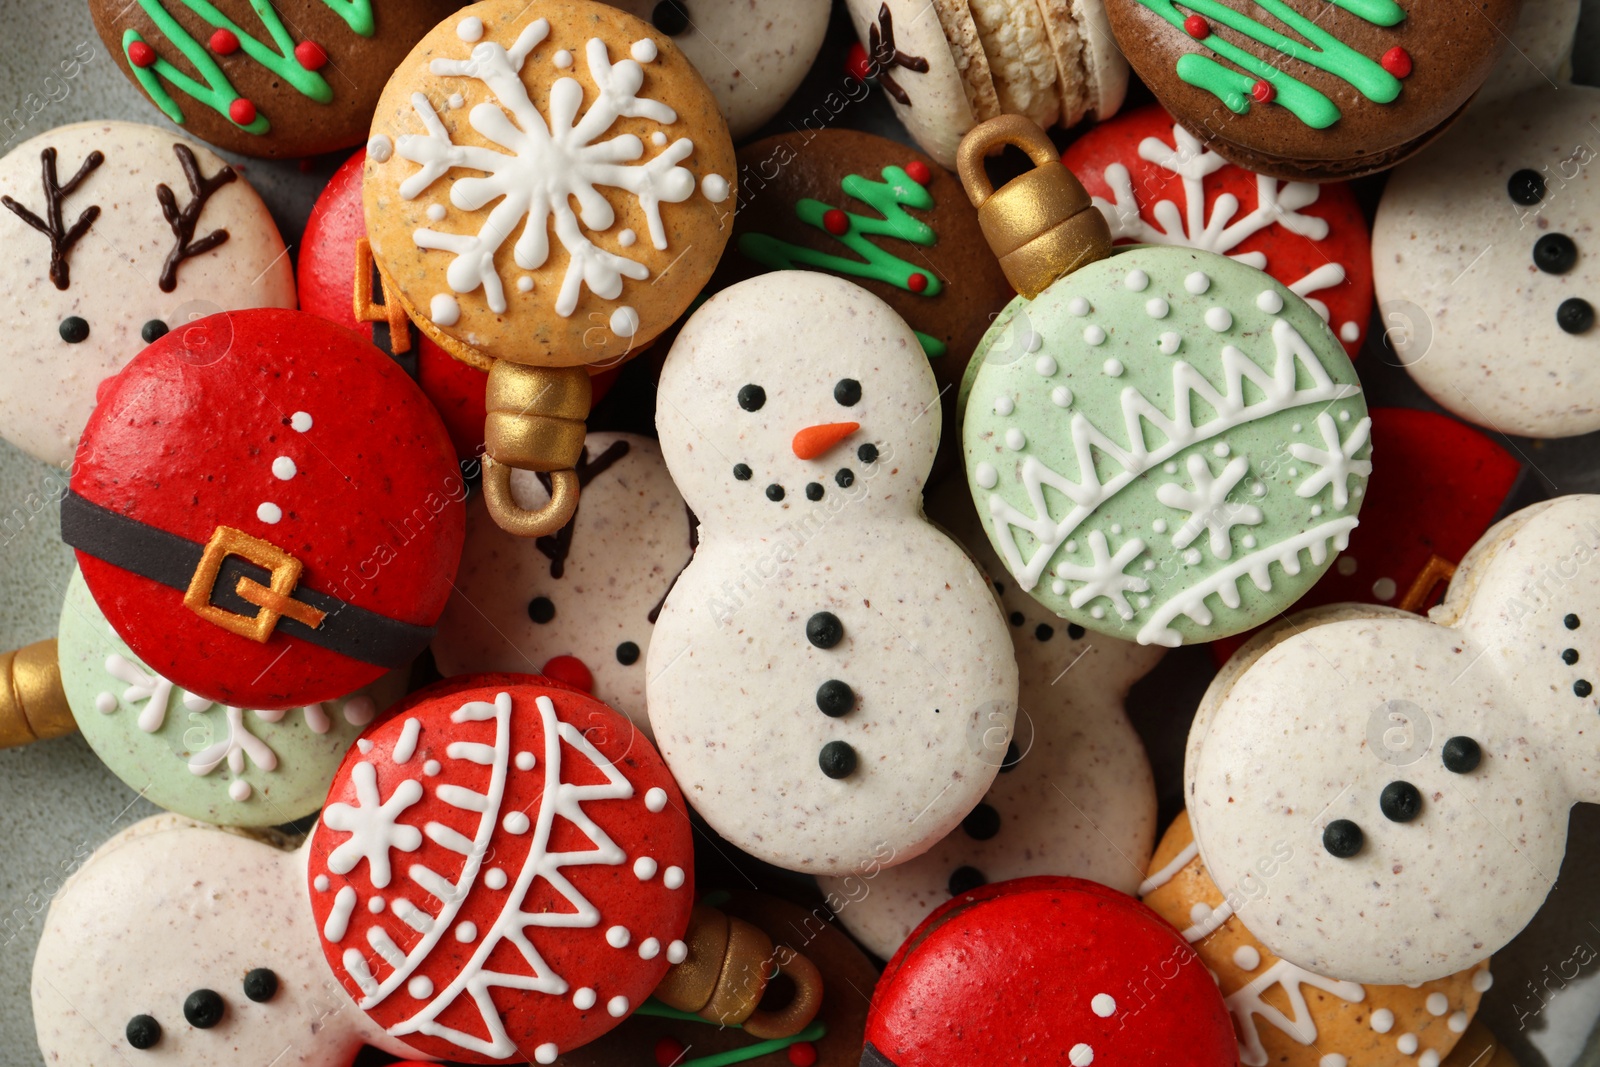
(243, 584)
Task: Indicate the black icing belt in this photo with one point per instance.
(172, 560)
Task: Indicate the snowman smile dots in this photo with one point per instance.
(816, 626)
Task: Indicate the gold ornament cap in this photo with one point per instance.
(1042, 225)
(33, 705)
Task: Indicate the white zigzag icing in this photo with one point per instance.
(1279, 393)
(1246, 1004)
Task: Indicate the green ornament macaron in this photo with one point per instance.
(219, 764)
(1166, 445)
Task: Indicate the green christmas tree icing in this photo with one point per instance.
(889, 198)
(815, 1032)
(213, 88)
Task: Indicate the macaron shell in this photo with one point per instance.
(966, 46)
(1021, 59)
(1539, 54)
(114, 270)
(936, 112)
(1092, 74)
(296, 432)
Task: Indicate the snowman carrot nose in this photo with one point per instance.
(571, 670)
(814, 441)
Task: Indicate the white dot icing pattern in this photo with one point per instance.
(1219, 318)
(584, 999)
(1061, 396)
(618, 937)
(617, 1007)
(300, 422)
(1197, 283)
(655, 799)
(470, 29)
(1081, 1055)
(1103, 1005)
(1383, 1020)
(283, 468)
(1407, 1044)
(1016, 440)
(1094, 335)
(269, 513)
(1157, 308)
(644, 868)
(673, 878)
(1137, 281)
(380, 149)
(1044, 366)
(1270, 301)
(444, 309)
(986, 476)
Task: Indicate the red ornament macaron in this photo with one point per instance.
(1047, 970)
(267, 510)
(1156, 183)
(502, 871)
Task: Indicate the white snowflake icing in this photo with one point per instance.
(373, 825)
(1105, 576)
(233, 749)
(544, 167)
(1336, 464)
(142, 685)
(1224, 229)
(1208, 505)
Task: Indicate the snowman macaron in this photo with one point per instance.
(115, 234)
(579, 605)
(1074, 796)
(830, 679)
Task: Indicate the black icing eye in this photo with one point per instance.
(774, 492)
(143, 1031)
(74, 330)
(1075, 631)
(981, 823)
(1554, 253)
(965, 880)
(1461, 755)
(1000, 588)
(1017, 618)
(845, 478)
(261, 985)
(752, 397)
(203, 1008)
(670, 18)
(835, 698)
(1575, 315)
(1343, 838)
(867, 453)
(627, 653)
(847, 392)
(1582, 688)
(1569, 656)
(1400, 802)
(1044, 631)
(824, 629)
(153, 331)
(813, 491)
(837, 759)
(1526, 187)
(541, 610)
(742, 472)
(1570, 622)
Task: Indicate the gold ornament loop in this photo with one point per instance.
(801, 1009)
(519, 521)
(726, 973)
(1042, 225)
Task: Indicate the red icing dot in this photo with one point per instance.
(669, 1051)
(857, 63)
(224, 42)
(802, 1054)
(1263, 92)
(571, 670)
(918, 171)
(1197, 27)
(836, 222)
(310, 55)
(917, 282)
(141, 54)
(242, 111)
(1397, 61)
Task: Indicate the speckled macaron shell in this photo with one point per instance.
(1074, 796)
(589, 592)
(1326, 714)
(1539, 53)
(475, 252)
(1474, 315)
(278, 79)
(753, 55)
(785, 538)
(1142, 169)
(165, 910)
(1059, 964)
(1092, 73)
(502, 871)
(218, 764)
(1168, 446)
(111, 276)
(1289, 1016)
(936, 110)
(295, 432)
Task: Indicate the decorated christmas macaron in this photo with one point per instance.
(1156, 183)
(1288, 1015)
(580, 604)
(1166, 445)
(887, 218)
(501, 872)
(267, 510)
(115, 234)
(195, 756)
(1055, 969)
(273, 78)
(1309, 89)
(535, 183)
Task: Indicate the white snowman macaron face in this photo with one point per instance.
(1486, 260)
(581, 604)
(115, 234)
(1416, 774)
(835, 410)
(182, 945)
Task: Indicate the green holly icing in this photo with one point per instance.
(890, 198)
(1324, 51)
(1166, 446)
(213, 89)
(815, 1032)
